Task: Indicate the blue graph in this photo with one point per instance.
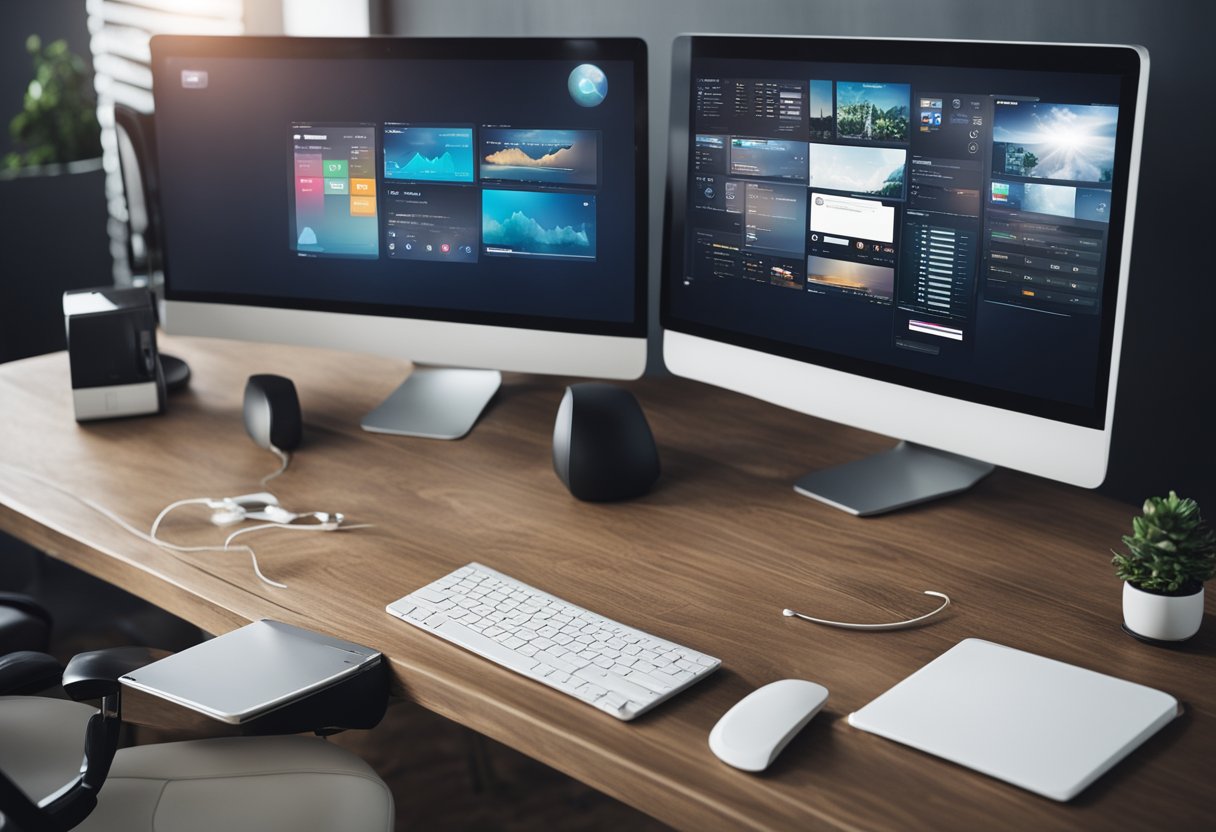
(428, 154)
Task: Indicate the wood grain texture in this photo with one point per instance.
(708, 559)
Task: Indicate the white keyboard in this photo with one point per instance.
(616, 668)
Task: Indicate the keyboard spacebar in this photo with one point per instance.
(487, 647)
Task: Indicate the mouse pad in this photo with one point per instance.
(1041, 724)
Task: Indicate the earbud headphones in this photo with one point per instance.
(228, 511)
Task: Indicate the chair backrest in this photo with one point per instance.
(136, 135)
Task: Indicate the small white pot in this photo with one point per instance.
(1162, 617)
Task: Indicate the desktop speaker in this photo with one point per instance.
(272, 412)
(602, 445)
(116, 370)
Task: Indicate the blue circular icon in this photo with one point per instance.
(588, 85)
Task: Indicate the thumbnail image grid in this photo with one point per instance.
(428, 154)
(538, 223)
(872, 111)
(1055, 141)
(558, 157)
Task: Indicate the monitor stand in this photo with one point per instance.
(903, 476)
(435, 403)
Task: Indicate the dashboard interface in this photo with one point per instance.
(951, 227)
(493, 182)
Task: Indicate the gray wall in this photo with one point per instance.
(1163, 425)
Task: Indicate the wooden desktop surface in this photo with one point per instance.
(708, 559)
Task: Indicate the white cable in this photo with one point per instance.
(285, 458)
(151, 536)
(895, 625)
(287, 527)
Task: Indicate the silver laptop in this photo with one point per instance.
(249, 672)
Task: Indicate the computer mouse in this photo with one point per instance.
(754, 731)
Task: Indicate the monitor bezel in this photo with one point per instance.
(165, 47)
(1123, 61)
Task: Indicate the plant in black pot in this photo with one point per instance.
(1170, 554)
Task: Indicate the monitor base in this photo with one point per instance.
(435, 403)
(903, 476)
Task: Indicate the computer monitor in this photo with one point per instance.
(461, 203)
(925, 239)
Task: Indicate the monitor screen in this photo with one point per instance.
(945, 216)
(476, 181)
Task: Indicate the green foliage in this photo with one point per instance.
(1171, 550)
(889, 125)
(59, 119)
(1029, 161)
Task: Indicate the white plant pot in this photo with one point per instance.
(1162, 617)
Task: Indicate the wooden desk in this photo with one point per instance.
(709, 559)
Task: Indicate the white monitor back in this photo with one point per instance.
(1055, 449)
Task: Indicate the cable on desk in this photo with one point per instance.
(327, 522)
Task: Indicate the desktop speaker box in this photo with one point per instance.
(602, 445)
(115, 367)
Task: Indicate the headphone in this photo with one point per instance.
(228, 511)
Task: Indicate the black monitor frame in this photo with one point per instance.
(634, 50)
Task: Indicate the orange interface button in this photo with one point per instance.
(362, 206)
(362, 187)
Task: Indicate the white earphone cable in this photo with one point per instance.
(285, 460)
(151, 535)
(894, 625)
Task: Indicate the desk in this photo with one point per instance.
(709, 559)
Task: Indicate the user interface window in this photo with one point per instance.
(333, 205)
(929, 218)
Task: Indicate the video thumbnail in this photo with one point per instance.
(558, 157)
(875, 283)
(873, 111)
(1037, 198)
(859, 170)
(823, 111)
(1054, 141)
(538, 224)
(770, 158)
(428, 154)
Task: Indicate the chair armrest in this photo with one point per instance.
(24, 623)
(26, 604)
(26, 672)
(95, 674)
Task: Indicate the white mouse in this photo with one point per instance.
(752, 733)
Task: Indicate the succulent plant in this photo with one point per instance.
(1171, 550)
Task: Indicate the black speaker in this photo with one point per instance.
(272, 412)
(602, 445)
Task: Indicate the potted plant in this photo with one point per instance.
(1170, 553)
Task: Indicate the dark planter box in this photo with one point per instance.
(52, 238)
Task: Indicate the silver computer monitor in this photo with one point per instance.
(926, 239)
(461, 203)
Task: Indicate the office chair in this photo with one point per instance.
(57, 754)
(136, 138)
